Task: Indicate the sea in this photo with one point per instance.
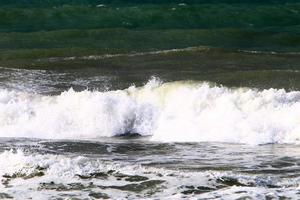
(150, 99)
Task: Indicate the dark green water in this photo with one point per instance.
(194, 99)
(39, 29)
(239, 43)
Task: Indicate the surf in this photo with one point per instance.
(181, 111)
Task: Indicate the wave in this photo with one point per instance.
(171, 112)
(169, 51)
(133, 54)
(39, 176)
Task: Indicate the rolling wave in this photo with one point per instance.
(170, 112)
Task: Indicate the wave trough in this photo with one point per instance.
(169, 112)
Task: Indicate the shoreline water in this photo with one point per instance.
(149, 99)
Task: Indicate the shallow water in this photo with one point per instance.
(183, 139)
(137, 168)
(149, 99)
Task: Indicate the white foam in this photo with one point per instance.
(176, 111)
(64, 170)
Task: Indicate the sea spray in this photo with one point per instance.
(182, 111)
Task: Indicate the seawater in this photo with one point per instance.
(166, 140)
(135, 168)
(149, 99)
(181, 111)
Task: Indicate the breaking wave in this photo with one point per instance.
(171, 112)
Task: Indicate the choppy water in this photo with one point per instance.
(136, 168)
(196, 139)
(149, 99)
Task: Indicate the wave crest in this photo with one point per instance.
(175, 111)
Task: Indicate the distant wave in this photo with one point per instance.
(268, 52)
(175, 111)
(167, 51)
(133, 54)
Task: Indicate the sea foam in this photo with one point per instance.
(44, 176)
(169, 112)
